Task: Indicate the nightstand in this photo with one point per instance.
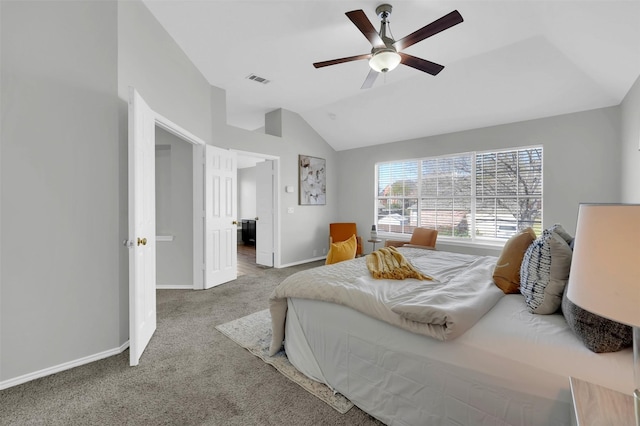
(374, 241)
(595, 405)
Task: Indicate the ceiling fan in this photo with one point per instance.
(386, 52)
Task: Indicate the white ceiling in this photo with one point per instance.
(508, 61)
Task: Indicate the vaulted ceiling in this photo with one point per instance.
(508, 61)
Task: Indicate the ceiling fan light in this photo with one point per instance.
(384, 60)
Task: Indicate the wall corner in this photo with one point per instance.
(273, 123)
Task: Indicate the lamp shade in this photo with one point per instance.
(384, 60)
(605, 268)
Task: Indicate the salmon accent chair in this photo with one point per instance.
(424, 237)
(342, 232)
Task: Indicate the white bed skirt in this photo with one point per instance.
(501, 372)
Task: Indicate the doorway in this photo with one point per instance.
(214, 214)
(258, 212)
(174, 212)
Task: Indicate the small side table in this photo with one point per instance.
(596, 405)
(374, 242)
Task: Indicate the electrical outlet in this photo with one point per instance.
(315, 252)
(289, 209)
(324, 251)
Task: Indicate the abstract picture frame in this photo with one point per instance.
(312, 180)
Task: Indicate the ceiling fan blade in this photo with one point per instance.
(341, 60)
(361, 21)
(371, 78)
(447, 21)
(421, 64)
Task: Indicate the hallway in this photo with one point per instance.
(247, 260)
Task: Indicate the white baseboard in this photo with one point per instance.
(174, 287)
(303, 261)
(62, 367)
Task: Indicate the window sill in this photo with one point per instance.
(495, 245)
(478, 244)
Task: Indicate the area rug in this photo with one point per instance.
(253, 333)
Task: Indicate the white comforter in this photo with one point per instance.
(461, 293)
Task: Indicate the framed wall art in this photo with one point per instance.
(312, 173)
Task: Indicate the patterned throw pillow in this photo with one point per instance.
(598, 334)
(545, 271)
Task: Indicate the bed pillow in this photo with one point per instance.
(506, 274)
(558, 229)
(598, 334)
(544, 272)
(343, 250)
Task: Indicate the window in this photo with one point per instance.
(471, 196)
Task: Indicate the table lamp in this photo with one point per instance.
(605, 270)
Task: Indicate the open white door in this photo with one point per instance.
(142, 226)
(221, 226)
(265, 176)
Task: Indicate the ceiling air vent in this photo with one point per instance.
(258, 79)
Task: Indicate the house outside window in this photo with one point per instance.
(476, 196)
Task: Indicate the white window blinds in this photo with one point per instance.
(489, 195)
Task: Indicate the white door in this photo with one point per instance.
(221, 228)
(265, 176)
(142, 226)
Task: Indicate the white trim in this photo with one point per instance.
(171, 127)
(174, 286)
(198, 217)
(300, 262)
(255, 154)
(62, 367)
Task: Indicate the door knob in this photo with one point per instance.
(142, 241)
(235, 222)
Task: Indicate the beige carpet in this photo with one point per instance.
(253, 333)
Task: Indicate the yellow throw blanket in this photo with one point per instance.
(389, 263)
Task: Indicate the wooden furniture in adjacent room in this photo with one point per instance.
(249, 232)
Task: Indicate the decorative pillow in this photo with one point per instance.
(343, 250)
(597, 333)
(544, 272)
(506, 274)
(558, 229)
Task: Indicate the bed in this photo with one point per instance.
(505, 367)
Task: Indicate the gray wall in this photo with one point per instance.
(59, 174)
(306, 230)
(174, 210)
(631, 145)
(581, 163)
(150, 61)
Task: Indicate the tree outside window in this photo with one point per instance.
(488, 195)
